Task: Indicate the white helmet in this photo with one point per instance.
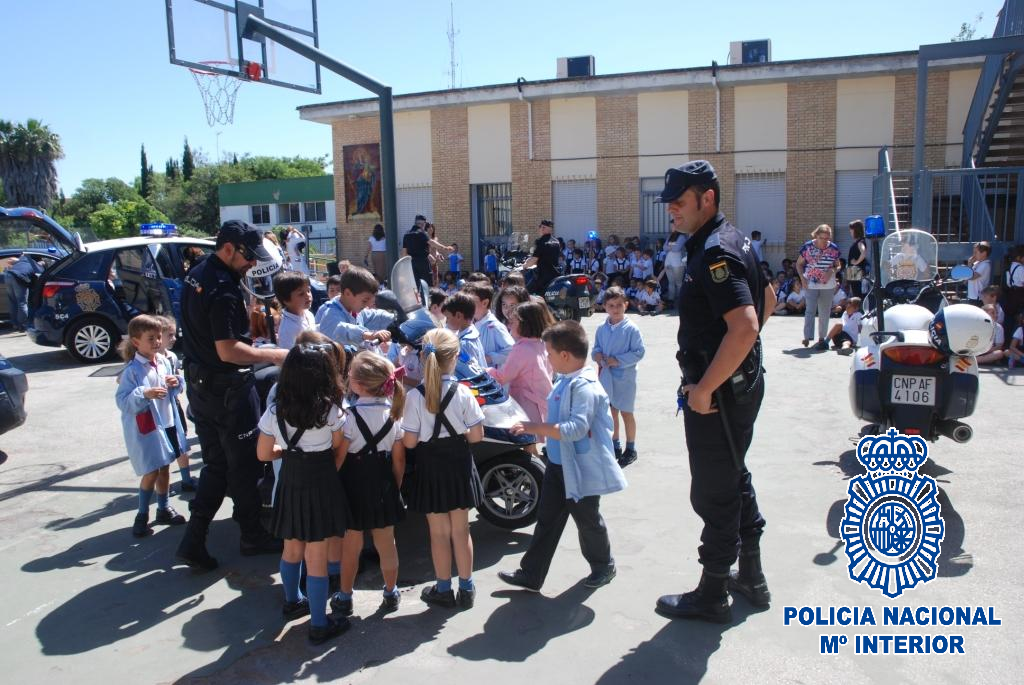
(962, 329)
(259, 280)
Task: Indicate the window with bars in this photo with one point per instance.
(315, 212)
(260, 214)
(493, 217)
(289, 213)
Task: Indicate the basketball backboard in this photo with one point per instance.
(204, 35)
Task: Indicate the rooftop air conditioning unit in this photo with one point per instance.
(576, 67)
(750, 51)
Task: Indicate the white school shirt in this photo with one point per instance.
(155, 379)
(314, 439)
(851, 324)
(293, 324)
(647, 298)
(374, 411)
(1015, 275)
(795, 298)
(838, 298)
(463, 412)
(1018, 335)
(975, 286)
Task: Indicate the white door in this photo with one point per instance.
(853, 201)
(412, 201)
(575, 207)
(761, 206)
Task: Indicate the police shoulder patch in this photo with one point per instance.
(719, 271)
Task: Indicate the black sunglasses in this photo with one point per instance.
(247, 252)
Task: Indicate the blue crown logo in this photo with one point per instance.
(892, 526)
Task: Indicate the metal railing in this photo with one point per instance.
(883, 193)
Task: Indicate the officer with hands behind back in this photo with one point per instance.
(222, 392)
(723, 302)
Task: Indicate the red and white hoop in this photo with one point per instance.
(219, 90)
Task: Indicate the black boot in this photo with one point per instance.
(192, 550)
(750, 581)
(709, 602)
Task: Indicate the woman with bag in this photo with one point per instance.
(857, 269)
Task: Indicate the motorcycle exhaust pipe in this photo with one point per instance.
(955, 430)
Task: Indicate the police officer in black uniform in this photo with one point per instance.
(546, 251)
(723, 302)
(222, 392)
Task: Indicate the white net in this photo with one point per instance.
(219, 92)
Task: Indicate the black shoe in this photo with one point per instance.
(335, 627)
(265, 544)
(627, 458)
(342, 607)
(599, 578)
(294, 610)
(390, 601)
(194, 555)
(188, 486)
(755, 589)
(431, 595)
(466, 598)
(821, 346)
(168, 517)
(140, 528)
(618, 452)
(709, 602)
(519, 579)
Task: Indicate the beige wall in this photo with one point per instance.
(412, 148)
(490, 144)
(864, 117)
(961, 91)
(663, 123)
(761, 125)
(574, 137)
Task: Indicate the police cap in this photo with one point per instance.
(239, 232)
(677, 180)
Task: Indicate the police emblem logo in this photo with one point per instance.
(892, 524)
(719, 271)
(87, 298)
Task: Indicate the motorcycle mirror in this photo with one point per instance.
(961, 272)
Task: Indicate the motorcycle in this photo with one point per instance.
(915, 368)
(511, 476)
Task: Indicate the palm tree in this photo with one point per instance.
(27, 163)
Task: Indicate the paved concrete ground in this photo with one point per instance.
(84, 600)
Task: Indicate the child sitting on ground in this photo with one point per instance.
(649, 299)
(844, 335)
(990, 296)
(996, 353)
(1015, 353)
(581, 464)
(152, 433)
(794, 303)
(291, 288)
(618, 347)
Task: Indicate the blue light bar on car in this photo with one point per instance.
(158, 230)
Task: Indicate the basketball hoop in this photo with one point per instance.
(220, 90)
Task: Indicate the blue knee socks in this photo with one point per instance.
(630, 445)
(333, 568)
(186, 474)
(316, 589)
(466, 583)
(290, 580)
(161, 500)
(444, 585)
(145, 497)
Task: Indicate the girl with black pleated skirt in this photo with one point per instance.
(371, 473)
(303, 428)
(442, 418)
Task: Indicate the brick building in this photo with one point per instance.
(795, 145)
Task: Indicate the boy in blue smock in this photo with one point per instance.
(618, 347)
(494, 336)
(459, 310)
(581, 466)
(348, 319)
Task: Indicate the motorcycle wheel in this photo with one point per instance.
(512, 484)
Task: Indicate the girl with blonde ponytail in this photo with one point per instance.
(442, 418)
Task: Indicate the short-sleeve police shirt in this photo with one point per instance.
(721, 274)
(547, 250)
(212, 309)
(417, 244)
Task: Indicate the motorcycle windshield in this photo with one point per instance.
(910, 255)
(403, 283)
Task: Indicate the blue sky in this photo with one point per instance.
(98, 73)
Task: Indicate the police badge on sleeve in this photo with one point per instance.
(892, 523)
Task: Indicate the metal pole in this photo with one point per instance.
(917, 210)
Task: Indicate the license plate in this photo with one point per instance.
(918, 390)
(584, 303)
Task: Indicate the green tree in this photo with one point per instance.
(122, 218)
(967, 30)
(146, 176)
(188, 165)
(172, 170)
(94, 194)
(28, 156)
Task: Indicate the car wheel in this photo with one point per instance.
(92, 340)
(511, 489)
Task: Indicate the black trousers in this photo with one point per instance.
(226, 423)
(723, 497)
(553, 512)
(421, 270)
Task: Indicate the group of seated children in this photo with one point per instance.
(1013, 353)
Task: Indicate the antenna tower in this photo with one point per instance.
(453, 65)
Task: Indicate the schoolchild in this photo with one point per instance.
(620, 266)
(333, 290)
(593, 262)
(581, 464)
(348, 317)
(371, 473)
(643, 268)
(844, 335)
(618, 347)
(576, 265)
(303, 428)
(455, 260)
(448, 284)
(1015, 352)
(437, 298)
(442, 419)
(609, 265)
(494, 336)
(633, 294)
(649, 299)
(152, 434)
(459, 310)
(291, 288)
(491, 265)
(170, 337)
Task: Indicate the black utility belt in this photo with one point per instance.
(216, 378)
(737, 387)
